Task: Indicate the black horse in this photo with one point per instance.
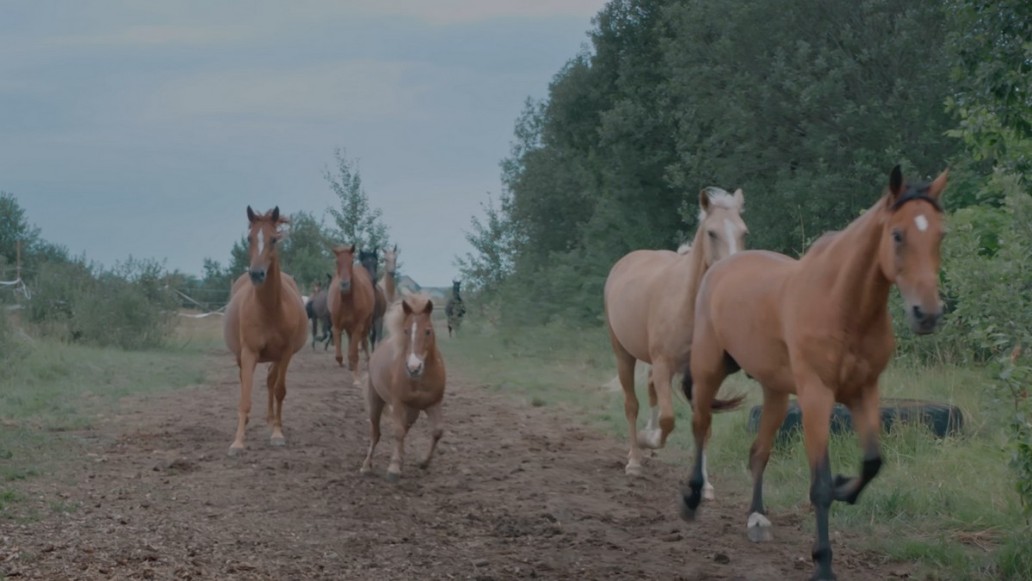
(455, 309)
(370, 261)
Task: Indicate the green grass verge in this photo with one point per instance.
(948, 505)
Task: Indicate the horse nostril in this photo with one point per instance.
(918, 313)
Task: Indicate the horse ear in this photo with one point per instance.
(936, 187)
(896, 182)
(395, 248)
(429, 308)
(740, 200)
(704, 201)
(275, 214)
(406, 307)
(352, 249)
(250, 215)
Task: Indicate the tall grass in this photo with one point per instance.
(948, 504)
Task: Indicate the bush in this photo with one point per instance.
(129, 306)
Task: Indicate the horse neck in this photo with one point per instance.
(858, 284)
(692, 267)
(270, 291)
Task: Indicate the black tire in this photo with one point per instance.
(941, 419)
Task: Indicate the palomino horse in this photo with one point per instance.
(407, 372)
(351, 302)
(649, 304)
(818, 327)
(369, 260)
(319, 313)
(390, 267)
(265, 322)
(454, 309)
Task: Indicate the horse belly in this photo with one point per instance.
(628, 308)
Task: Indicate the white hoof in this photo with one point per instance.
(650, 439)
(633, 469)
(708, 492)
(760, 529)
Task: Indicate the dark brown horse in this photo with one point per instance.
(370, 261)
(265, 322)
(818, 327)
(318, 310)
(351, 301)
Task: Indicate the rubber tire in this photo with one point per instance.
(941, 419)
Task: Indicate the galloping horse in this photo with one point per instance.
(351, 302)
(319, 313)
(390, 267)
(407, 372)
(265, 322)
(818, 327)
(369, 260)
(649, 304)
(454, 309)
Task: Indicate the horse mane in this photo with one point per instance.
(394, 320)
(718, 197)
(684, 248)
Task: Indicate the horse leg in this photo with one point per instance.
(775, 406)
(248, 361)
(270, 383)
(315, 328)
(436, 431)
(625, 363)
(400, 414)
(866, 413)
(817, 402)
(375, 406)
(660, 384)
(704, 389)
(336, 345)
(277, 438)
(354, 340)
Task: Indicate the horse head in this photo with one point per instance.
(720, 219)
(909, 252)
(390, 259)
(419, 334)
(262, 236)
(455, 287)
(370, 260)
(345, 266)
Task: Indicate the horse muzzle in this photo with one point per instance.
(923, 322)
(257, 275)
(345, 286)
(414, 366)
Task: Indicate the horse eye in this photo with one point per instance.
(897, 236)
(428, 332)
(712, 235)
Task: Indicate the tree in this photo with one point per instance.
(14, 228)
(305, 251)
(494, 245)
(357, 222)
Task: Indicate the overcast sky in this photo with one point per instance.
(146, 128)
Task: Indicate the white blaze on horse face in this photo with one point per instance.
(729, 230)
(921, 222)
(413, 362)
(261, 241)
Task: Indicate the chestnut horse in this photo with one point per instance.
(390, 267)
(407, 372)
(649, 304)
(351, 301)
(818, 327)
(265, 322)
(370, 261)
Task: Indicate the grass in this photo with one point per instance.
(50, 391)
(948, 505)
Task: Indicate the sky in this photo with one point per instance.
(147, 128)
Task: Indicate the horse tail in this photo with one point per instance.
(717, 405)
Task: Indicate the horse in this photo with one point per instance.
(649, 303)
(351, 301)
(265, 322)
(390, 267)
(406, 372)
(454, 309)
(369, 260)
(319, 313)
(818, 327)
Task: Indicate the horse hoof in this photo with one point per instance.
(708, 493)
(393, 477)
(633, 469)
(366, 470)
(277, 442)
(650, 439)
(760, 529)
(690, 502)
(235, 451)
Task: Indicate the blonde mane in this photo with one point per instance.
(719, 198)
(394, 320)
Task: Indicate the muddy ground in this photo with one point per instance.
(516, 492)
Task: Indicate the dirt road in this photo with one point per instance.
(516, 492)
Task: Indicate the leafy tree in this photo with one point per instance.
(493, 241)
(357, 222)
(15, 227)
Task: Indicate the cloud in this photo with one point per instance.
(357, 90)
